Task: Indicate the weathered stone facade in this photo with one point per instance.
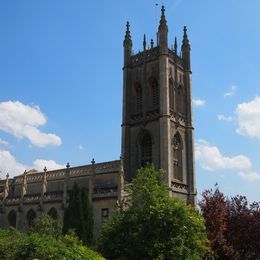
(157, 114)
(157, 128)
(31, 194)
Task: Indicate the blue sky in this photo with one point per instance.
(61, 83)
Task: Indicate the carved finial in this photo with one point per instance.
(45, 169)
(127, 33)
(93, 161)
(144, 42)
(175, 45)
(185, 37)
(151, 43)
(7, 176)
(68, 166)
(25, 172)
(163, 20)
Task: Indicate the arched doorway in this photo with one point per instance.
(12, 218)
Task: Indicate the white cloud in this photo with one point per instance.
(252, 176)
(231, 92)
(23, 121)
(80, 147)
(8, 164)
(198, 102)
(224, 118)
(248, 118)
(50, 165)
(210, 158)
(3, 142)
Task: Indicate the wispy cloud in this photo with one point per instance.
(231, 92)
(3, 142)
(210, 158)
(23, 121)
(251, 176)
(225, 118)
(198, 102)
(80, 147)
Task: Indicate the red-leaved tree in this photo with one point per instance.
(233, 225)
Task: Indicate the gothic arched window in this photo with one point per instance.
(139, 98)
(180, 100)
(31, 215)
(12, 218)
(177, 157)
(155, 92)
(146, 149)
(53, 213)
(171, 94)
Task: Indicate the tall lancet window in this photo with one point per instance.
(139, 98)
(171, 94)
(177, 157)
(155, 92)
(181, 100)
(146, 149)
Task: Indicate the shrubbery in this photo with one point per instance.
(15, 245)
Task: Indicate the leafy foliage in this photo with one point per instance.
(15, 245)
(79, 215)
(233, 225)
(46, 225)
(152, 225)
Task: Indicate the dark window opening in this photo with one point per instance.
(105, 213)
(31, 215)
(12, 219)
(53, 213)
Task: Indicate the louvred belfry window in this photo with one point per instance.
(171, 94)
(155, 93)
(139, 98)
(177, 157)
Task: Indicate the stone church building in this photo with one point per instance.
(156, 128)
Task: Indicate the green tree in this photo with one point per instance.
(73, 215)
(79, 215)
(153, 225)
(46, 225)
(88, 219)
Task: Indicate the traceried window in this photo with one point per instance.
(171, 94)
(177, 157)
(146, 149)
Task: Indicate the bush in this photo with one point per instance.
(15, 245)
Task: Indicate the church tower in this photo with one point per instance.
(157, 122)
